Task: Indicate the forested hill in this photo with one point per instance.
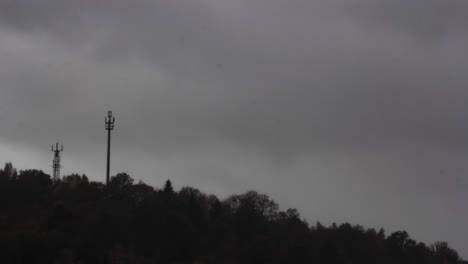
(78, 221)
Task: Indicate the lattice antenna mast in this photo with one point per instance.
(109, 120)
(56, 161)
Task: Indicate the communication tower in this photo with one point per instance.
(56, 161)
(109, 120)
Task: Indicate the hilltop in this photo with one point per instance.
(75, 220)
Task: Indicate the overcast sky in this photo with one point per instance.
(347, 110)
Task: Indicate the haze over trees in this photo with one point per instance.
(76, 220)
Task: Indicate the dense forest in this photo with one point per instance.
(75, 220)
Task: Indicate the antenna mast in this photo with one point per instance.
(109, 120)
(56, 161)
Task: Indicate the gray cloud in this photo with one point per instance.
(429, 21)
(348, 111)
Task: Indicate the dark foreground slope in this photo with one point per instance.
(77, 221)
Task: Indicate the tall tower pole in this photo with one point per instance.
(109, 127)
(56, 161)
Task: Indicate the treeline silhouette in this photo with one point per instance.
(79, 221)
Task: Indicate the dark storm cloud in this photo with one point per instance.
(275, 70)
(350, 111)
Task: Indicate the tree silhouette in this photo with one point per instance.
(168, 187)
(78, 221)
(121, 181)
